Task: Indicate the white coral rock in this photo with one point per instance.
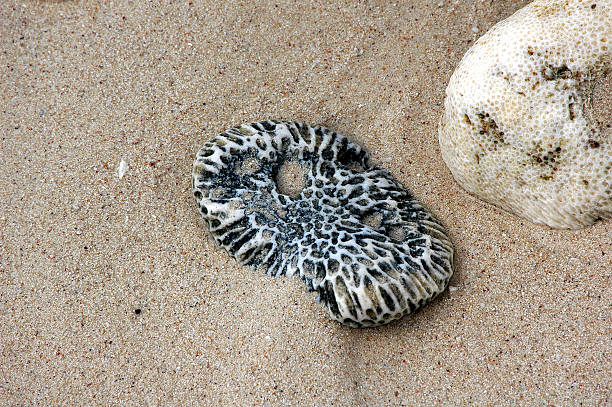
(527, 114)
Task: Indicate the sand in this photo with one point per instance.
(113, 293)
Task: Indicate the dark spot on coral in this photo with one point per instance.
(551, 73)
(488, 126)
(593, 143)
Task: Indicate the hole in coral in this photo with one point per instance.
(397, 233)
(218, 193)
(291, 178)
(600, 107)
(373, 220)
(248, 167)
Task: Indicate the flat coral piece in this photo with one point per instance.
(352, 233)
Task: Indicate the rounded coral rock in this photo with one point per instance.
(528, 112)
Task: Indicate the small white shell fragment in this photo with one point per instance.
(527, 120)
(122, 169)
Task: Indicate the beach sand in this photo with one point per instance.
(113, 293)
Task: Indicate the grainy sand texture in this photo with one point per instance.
(113, 293)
